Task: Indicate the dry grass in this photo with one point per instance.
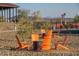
(8, 40)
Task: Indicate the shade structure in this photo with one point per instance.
(9, 12)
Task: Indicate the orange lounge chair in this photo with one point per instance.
(62, 46)
(46, 44)
(21, 45)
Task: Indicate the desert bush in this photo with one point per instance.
(25, 28)
(76, 18)
(46, 25)
(24, 25)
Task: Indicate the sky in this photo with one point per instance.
(52, 9)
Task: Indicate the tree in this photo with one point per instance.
(58, 19)
(36, 19)
(36, 16)
(25, 28)
(76, 18)
(23, 13)
(24, 25)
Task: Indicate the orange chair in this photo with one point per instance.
(62, 46)
(21, 45)
(46, 44)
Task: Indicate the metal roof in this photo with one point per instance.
(8, 5)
